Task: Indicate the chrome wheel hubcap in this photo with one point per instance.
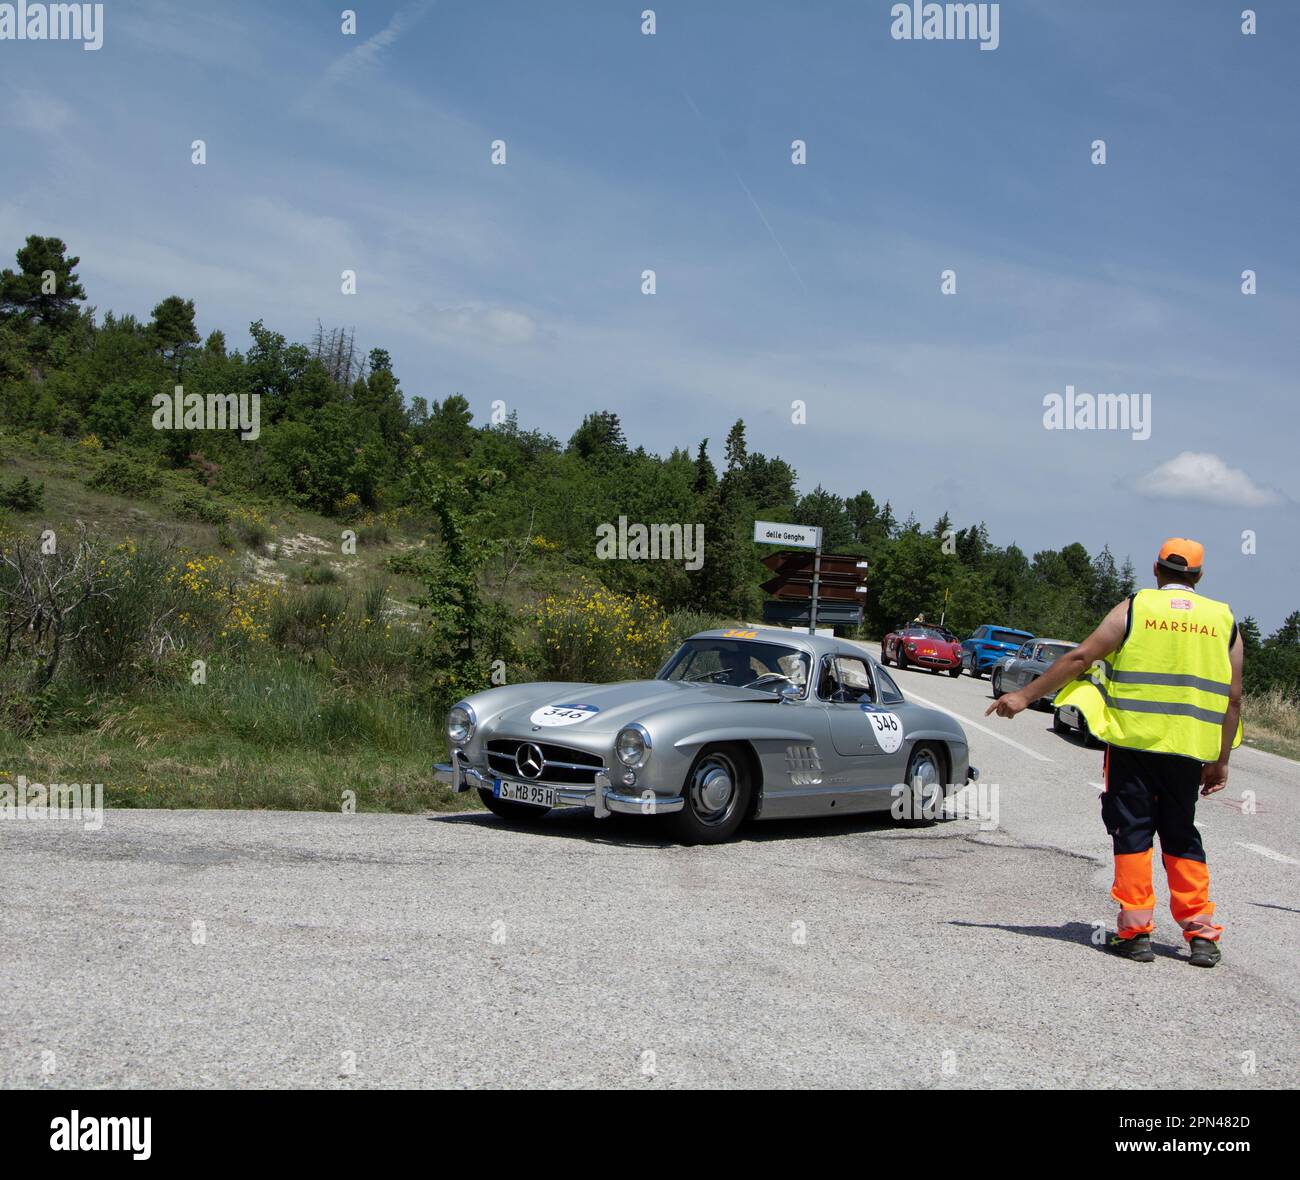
(927, 783)
(713, 789)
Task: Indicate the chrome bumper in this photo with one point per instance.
(601, 797)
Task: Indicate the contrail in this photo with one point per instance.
(770, 231)
(766, 224)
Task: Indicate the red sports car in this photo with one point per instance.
(924, 647)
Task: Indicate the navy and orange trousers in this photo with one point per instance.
(1148, 795)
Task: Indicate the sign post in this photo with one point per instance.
(816, 584)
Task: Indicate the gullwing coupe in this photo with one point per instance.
(739, 724)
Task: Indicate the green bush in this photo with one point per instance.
(22, 495)
(317, 574)
(126, 477)
(206, 510)
(254, 533)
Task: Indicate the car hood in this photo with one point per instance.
(617, 705)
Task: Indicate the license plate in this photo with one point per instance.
(532, 793)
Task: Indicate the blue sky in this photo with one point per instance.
(775, 282)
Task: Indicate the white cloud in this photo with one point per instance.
(1205, 478)
(494, 325)
(366, 55)
(41, 114)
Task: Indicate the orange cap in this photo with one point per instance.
(1181, 555)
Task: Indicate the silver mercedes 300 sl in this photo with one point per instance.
(742, 723)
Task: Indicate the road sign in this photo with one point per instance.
(806, 580)
(831, 564)
(800, 589)
(799, 614)
(802, 536)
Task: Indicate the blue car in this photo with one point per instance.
(987, 645)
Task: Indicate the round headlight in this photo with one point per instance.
(460, 724)
(632, 746)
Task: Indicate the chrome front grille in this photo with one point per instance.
(560, 764)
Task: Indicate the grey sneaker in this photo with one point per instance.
(1137, 948)
(1205, 952)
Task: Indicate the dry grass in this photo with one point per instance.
(1272, 722)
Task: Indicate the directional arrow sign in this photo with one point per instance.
(833, 565)
(801, 588)
(840, 577)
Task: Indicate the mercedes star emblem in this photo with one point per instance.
(529, 760)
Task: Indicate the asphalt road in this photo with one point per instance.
(374, 950)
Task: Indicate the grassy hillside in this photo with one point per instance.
(276, 724)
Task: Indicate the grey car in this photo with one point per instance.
(1012, 673)
(741, 723)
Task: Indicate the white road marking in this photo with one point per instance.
(1099, 786)
(1286, 860)
(981, 728)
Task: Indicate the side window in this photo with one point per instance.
(980, 633)
(845, 680)
(888, 693)
(1026, 652)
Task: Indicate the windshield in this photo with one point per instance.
(925, 633)
(740, 663)
(1053, 651)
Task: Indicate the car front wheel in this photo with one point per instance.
(955, 671)
(924, 783)
(884, 659)
(718, 790)
(997, 684)
(1086, 734)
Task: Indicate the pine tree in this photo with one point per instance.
(737, 452)
(706, 477)
(44, 288)
(172, 330)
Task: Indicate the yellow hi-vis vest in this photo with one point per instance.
(1166, 688)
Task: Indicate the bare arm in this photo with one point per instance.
(1104, 640)
(1214, 776)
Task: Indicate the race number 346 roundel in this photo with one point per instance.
(887, 728)
(562, 714)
